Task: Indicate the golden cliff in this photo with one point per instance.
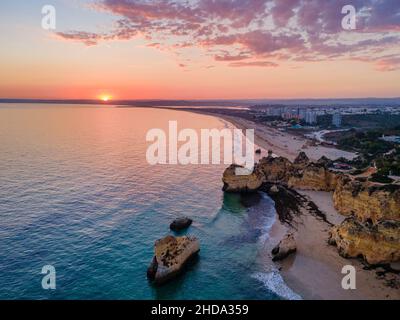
(376, 244)
(368, 202)
(241, 183)
(301, 174)
(313, 177)
(372, 230)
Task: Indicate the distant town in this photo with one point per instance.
(371, 131)
(318, 115)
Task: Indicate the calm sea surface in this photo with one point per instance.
(76, 192)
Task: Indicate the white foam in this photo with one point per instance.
(272, 279)
(274, 282)
(268, 221)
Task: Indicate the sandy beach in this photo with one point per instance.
(315, 271)
(284, 144)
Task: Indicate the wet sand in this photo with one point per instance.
(314, 272)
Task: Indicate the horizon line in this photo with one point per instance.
(113, 101)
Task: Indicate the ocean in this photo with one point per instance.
(77, 193)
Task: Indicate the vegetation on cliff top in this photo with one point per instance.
(373, 151)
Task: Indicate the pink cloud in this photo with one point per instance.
(236, 30)
(231, 57)
(89, 39)
(282, 11)
(265, 64)
(389, 63)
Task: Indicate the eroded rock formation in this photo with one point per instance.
(372, 231)
(301, 174)
(313, 177)
(302, 159)
(234, 182)
(276, 170)
(170, 257)
(376, 244)
(368, 202)
(285, 247)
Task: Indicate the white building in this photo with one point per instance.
(310, 117)
(337, 120)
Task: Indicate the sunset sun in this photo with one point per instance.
(105, 97)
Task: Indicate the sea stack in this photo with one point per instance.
(171, 254)
(286, 247)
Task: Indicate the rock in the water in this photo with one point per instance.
(286, 247)
(241, 183)
(258, 151)
(152, 269)
(180, 224)
(170, 257)
(376, 244)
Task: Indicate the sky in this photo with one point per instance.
(199, 49)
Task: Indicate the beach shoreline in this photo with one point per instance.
(314, 255)
(282, 143)
(315, 271)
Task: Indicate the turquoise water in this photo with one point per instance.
(77, 193)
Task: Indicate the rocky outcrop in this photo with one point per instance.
(376, 244)
(325, 161)
(302, 174)
(372, 232)
(170, 257)
(234, 182)
(367, 201)
(180, 224)
(313, 176)
(276, 170)
(302, 159)
(286, 247)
